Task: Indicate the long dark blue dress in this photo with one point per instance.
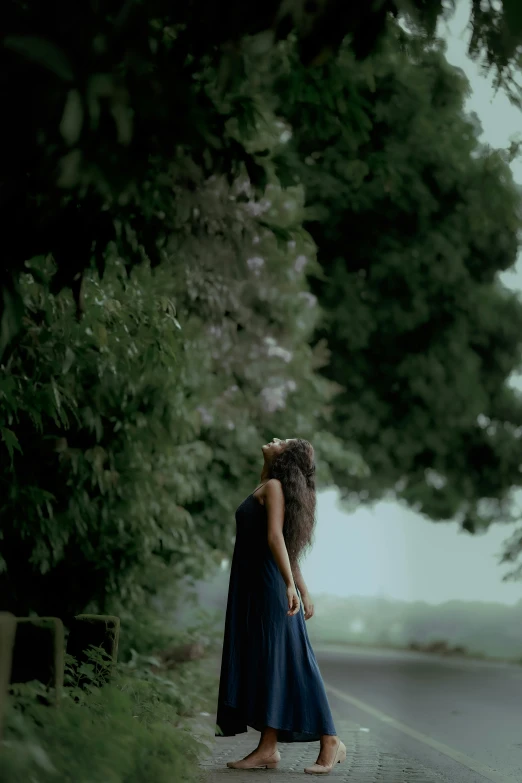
(269, 674)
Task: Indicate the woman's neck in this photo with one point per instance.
(265, 473)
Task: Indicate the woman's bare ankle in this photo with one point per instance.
(267, 749)
(328, 739)
(268, 742)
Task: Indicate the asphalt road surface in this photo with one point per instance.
(459, 717)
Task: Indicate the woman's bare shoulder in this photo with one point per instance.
(273, 490)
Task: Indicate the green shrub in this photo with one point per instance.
(128, 731)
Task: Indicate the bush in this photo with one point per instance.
(124, 732)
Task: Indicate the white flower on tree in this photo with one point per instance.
(206, 416)
(255, 263)
(273, 349)
(273, 398)
(257, 208)
(310, 299)
(244, 185)
(300, 263)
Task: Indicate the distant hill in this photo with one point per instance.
(490, 629)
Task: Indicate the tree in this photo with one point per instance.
(128, 436)
(103, 103)
(146, 142)
(413, 219)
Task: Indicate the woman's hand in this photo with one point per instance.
(307, 606)
(293, 601)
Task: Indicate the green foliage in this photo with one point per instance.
(126, 731)
(261, 238)
(414, 220)
(141, 421)
(496, 42)
(110, 107)
(130, 420)
(90, 402)
(131, 417)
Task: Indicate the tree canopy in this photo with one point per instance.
(273, 220)
(414, 219)
(107, 105)
(128, 436)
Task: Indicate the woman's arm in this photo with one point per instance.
(275, 514)
(300, 582)
(305, 595)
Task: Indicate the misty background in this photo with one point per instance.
(384, 576)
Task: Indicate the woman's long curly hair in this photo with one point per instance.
(295, 469)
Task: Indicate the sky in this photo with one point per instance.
(389, 550)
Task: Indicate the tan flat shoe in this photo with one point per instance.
(319, 769)
(270, 763)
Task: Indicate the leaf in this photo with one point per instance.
(40, 757)
(72, 117)
(56, 394)
(69, 168)
(11, 317)
(42, 52)
(68, 361)
(11, 442)
(101, 335)
(262, 42)
(87, 669)
(123, 117)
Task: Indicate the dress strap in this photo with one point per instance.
(261, 485)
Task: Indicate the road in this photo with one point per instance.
(459, 717)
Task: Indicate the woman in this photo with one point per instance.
(269, 675)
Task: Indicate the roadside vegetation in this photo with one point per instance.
(217, 228)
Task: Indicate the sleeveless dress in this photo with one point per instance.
(269, 673)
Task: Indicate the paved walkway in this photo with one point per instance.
(366, 762)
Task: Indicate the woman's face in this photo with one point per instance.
(275, 447)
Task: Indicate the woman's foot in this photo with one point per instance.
(267, 758)
(332, 752)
